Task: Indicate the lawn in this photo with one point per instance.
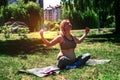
(16, 54)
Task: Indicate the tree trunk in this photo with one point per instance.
(117, 16)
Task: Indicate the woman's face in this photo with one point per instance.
(67, 25)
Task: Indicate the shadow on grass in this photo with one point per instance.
(32, 46)
(110, 37)
(29, 46)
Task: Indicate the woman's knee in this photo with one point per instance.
(81, 60)
(86, 56)
(63, 61)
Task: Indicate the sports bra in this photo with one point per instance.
(67, 44)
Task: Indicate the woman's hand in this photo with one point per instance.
(87, 29)
(41, 32)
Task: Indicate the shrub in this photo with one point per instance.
(7, 30)
(53, 26)
(22, 31)
(56, 27)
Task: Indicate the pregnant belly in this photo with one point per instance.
(70, 55)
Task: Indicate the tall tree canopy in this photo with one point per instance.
(117, 15)
(93, 13)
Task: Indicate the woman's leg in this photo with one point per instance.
(63, 61)
(81, 60)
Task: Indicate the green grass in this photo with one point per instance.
(16, 54)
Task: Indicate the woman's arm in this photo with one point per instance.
(87, 29)
(49, 43)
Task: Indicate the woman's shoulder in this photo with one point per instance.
(73, 36)
(60, 38)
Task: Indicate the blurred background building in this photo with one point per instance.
(53, 13)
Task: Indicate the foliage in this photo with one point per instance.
(94, 12)
(117, 15)
(56, 27)
(22, 31)
(3, 2)
(1, 15)
(75, 11)
(91, 19)
(48, 24)
(53, 26)
(30, 13)
(104, 9)
(7, 30)
(0, 29)
(35, 16)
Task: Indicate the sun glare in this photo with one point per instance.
(47, 34)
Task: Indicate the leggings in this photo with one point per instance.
(79, 61)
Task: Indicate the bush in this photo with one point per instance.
(30, 13)
(56, 27)
(7, 30)
(53, 26)
(22, 31)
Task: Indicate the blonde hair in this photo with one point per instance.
(62, 25)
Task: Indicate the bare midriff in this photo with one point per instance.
(68, 53)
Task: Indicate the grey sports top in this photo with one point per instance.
(67, 44)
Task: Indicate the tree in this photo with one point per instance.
(117, 15)
(97, 13)
(80, 13)
(104, 9)
(26, 1)
(3, 2)
(35, 17)
(30, 13)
